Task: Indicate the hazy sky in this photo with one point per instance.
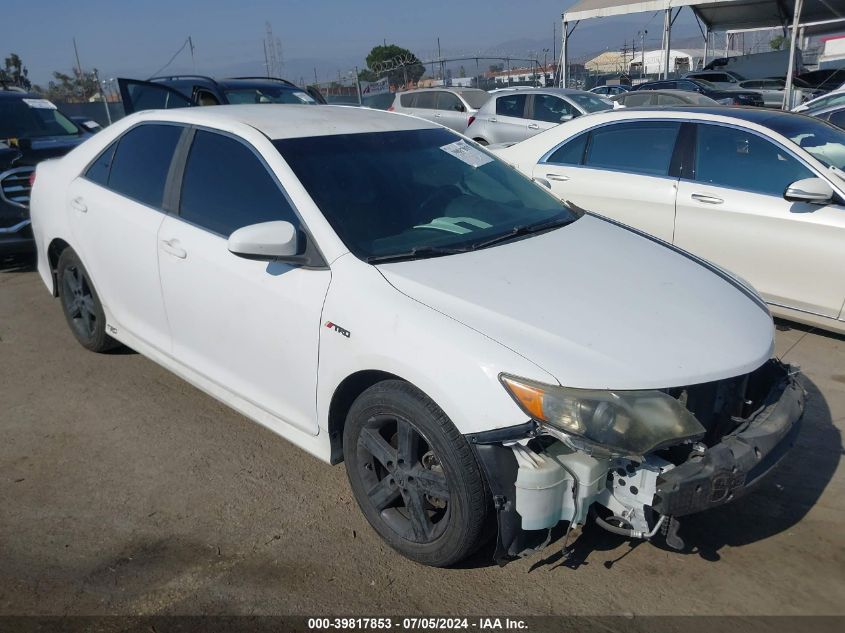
(136, 38)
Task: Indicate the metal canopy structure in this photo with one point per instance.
(712, 15)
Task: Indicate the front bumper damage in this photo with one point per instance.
(537, 481)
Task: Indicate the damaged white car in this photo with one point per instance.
(382, 292)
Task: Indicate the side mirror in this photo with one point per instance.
(265, 240)
(811, 190)
(567, 117)
(459, 107)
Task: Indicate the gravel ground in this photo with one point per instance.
(124, 490)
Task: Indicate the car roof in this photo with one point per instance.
(758, 116)
(278, 121)
(554, 91)
(458, 89)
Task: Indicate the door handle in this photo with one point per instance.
(533, 126)
(172, 248)
(79, 204)
(707, 199)
(558, 177)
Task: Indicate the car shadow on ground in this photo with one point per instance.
(777, 504)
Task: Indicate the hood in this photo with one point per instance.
(598, 307)
(29, 152)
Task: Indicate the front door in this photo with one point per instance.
(252, 327)
(548, 111)
(622, 171)
(734, 214)
(508, 124)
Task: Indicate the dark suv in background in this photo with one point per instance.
(182, 91)
(722, 96)
(31, 130)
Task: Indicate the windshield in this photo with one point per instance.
(590, 102)
(819, 138)
(475, 98)
(33, 118)
(270, 94)
(388, 193)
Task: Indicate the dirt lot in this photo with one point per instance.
(125, 490)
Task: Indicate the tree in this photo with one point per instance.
(778, 42)
(14, 72)
(75, 88)
(399, 64)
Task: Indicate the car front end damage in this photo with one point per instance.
(728, 435)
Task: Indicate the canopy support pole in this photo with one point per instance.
(796, 19)
(564, 75)
(667, 36)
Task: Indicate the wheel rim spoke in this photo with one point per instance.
(384, 493)
(421, 525)
(431, 482)
(408, 441)
(378, 447)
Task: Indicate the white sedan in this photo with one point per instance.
(760, 193)
(382, 292)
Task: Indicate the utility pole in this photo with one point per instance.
(358, 86)
(440, 57)
(76, 52)
(315, 76)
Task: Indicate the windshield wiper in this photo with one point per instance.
(523, 229)
(418, 252)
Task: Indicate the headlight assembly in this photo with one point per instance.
(626, 422)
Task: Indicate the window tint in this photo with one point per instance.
(669, 100)
(511, 105)
(686, 85)
(729, 157)
(146, 96)
(644, 147)
(142, 160)
(226, 187)
(448, 101)
(571, 152)
(552, 109)
(407, 100)
(99, 170)
(426, 100)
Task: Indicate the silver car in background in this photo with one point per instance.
(510, 117)
(452, 107)
(637, 98)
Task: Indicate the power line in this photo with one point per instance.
(175, 55)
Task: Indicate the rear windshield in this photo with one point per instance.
(268, 95)
(475, 98)
(387, 193)
(33, 118)
(590, 102)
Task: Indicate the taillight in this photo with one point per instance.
(470, 120)
(32, 179)
(391, 108)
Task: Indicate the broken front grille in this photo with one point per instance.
(14, 186)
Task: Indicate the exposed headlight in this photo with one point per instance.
(626, 422)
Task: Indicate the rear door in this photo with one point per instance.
(425, 106)
(624, 171)
(116, 208)
(146, 95)
(733, 213)
(451, 111)
(548, 111)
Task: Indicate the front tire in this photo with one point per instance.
(81, 305)
(414, 475)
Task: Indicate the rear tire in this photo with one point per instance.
(414, 475)
(81, 305)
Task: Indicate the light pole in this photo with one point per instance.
(545, 67)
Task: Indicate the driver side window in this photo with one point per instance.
(552, 109)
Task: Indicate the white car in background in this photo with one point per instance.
(837, 97)
(453, 107)
(758, 192)
(380, 291)
(509, 117)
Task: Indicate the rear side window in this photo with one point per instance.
(99, 170)
(511, 105)
(142, 160)
(407, 100)
(571, 152)
(637, 99)
(226, 187)
(643, 147)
